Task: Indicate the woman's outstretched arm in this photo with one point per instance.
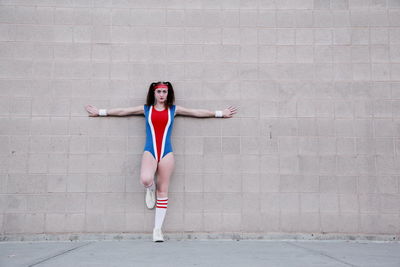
(203, 113)
(94, 112)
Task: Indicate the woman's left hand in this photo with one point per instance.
(228, 113)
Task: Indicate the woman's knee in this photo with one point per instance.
(146, 180)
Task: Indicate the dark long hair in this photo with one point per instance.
(151, 100)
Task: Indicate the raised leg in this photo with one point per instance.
(148, 169)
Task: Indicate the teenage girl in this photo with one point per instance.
(158, 157)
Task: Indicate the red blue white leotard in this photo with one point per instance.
(158, 130)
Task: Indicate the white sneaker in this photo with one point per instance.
(150, 198)
(157, 235)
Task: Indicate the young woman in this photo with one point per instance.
(158, 157)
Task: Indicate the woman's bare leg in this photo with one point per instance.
(164, 172)
(148, 169)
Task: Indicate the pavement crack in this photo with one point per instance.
(59, 254)
(322, 254)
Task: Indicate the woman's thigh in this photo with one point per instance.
(148, 168)
(164, 172)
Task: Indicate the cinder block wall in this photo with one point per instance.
(315, 147)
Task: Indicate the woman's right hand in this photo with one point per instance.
(93, 111)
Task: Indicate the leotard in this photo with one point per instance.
(158, 130)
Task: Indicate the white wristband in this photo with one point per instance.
(218, 114)
(102, 112)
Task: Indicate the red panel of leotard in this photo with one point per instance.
(159, 120)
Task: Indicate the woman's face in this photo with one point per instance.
(161, 95)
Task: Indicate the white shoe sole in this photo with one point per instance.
(150, 199)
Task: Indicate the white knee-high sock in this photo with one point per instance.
(161, 209)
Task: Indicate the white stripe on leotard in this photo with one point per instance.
(153, 134)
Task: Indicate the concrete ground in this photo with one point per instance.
(199, 253)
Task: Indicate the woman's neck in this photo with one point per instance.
(159, 106)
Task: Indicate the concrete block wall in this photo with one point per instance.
(315, 147)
